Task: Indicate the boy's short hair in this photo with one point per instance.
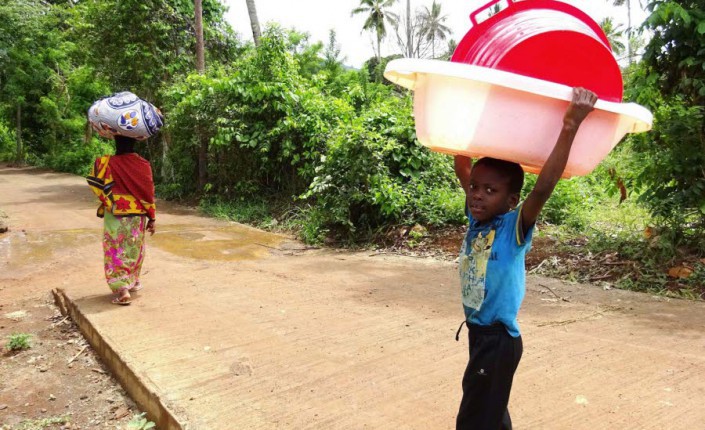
(513, 171)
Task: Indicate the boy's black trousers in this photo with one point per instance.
(494, 357)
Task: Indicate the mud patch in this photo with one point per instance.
(24, 248)
(228, 243)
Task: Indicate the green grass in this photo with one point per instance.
(139, 422)
(37, 424)
(255, 212)
(19, 342)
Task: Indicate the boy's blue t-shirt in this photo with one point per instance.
(492, 274)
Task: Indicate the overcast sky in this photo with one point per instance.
(318, 17)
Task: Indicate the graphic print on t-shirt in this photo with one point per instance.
(473, 268)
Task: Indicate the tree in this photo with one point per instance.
(201, 68)
(200, 57)
(152, 54)
(674, 55)
(614, 35)
(26, 37)
(161, 47)
(378, 16)
(408, 31)
(630, 51)
(254, 21)
(450, 49)
(331, 56)
(433, 26)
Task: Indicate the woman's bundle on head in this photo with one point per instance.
(125, 114)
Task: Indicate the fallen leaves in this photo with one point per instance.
(681, 272)
(121, 412)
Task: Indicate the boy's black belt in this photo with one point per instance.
(497, 327)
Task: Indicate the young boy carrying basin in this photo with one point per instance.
(492, 275)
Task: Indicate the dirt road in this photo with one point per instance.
(241, 329)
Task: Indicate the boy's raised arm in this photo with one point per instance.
(463, 166)
(581, 105)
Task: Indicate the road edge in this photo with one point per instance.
(142, 391)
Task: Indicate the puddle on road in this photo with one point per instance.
(18, 248)
(229, 243)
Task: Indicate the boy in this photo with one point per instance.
(492, 268)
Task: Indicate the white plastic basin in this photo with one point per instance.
(477, 111)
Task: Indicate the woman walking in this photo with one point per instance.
(124, 185)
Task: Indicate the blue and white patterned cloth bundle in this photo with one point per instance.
(125, 114)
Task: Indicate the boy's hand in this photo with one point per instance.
(579, 108)
(582, 104)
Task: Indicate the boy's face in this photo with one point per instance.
(489, 195)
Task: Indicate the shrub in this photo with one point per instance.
(140, 422)
(19, 342)
(669, 168)
(375, 173)
(7, 143)
(78, 157)
(572, 200)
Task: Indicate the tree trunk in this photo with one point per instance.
(409, 42)
(378, 69)
(379, 50)
(167, 170)
(200, 55)
(201, 67)
(202, 160)
(629, 32)
(254, 22)
(20, 149)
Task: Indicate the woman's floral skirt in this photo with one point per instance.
(123, 247)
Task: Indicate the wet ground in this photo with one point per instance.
(237, 328)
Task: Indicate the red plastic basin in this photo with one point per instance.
(544, 39)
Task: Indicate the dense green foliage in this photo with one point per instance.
(296, 139)
(667, 165)
(284, 122)
(334, 140)
(675, 52)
